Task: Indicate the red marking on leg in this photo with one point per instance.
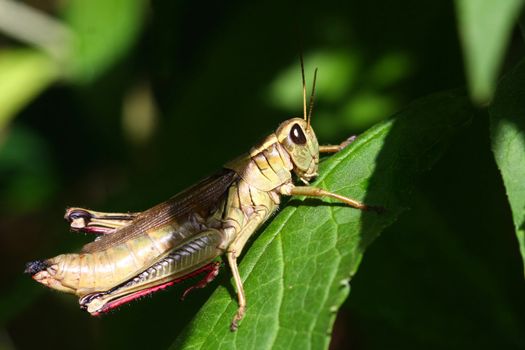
(213, 271)
(98, 230)
(127, 298)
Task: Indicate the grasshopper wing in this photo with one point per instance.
(200, 198)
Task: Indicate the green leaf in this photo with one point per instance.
(508, 144)
(296, 273)
(104, 30)
(25, 73)
(485, 28)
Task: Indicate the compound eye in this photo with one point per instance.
(297, 135)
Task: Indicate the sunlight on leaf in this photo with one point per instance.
(508, 143)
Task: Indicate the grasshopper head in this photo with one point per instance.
(299, 140)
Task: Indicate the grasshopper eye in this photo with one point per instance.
(297, 135)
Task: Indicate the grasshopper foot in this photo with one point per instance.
(348, 141)
(237, 318)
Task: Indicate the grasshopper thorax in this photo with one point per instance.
(298, 139)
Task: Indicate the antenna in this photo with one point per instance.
(304, 87)
(311, 102)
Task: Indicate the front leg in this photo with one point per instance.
(337, 148)
(311, 191)
(90, 221)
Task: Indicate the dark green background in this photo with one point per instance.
(447, 275)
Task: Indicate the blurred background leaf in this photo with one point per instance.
(103, 33)
(109, 96)
(485, 28)
(24, 74)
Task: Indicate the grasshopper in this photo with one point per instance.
(139, 253)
